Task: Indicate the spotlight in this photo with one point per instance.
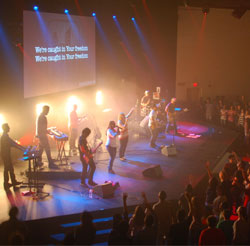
(106, 110)
(238, 12)
(114, 17)
(132, 18)
(99, 98)
(39, 108)
(2, 121)
(205, 11)
(66, 11)
(93, 14)
(73, 100)
(35, 8)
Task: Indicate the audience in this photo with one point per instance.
(212, 235)
(226, 225)
(147, 235)
(86, 232)
(241, 228)
(178, 232)
(13, 231)
(162, 210)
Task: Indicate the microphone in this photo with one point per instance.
(118, 127)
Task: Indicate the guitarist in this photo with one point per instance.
(86, 157)
(123, 137)
(171, 115)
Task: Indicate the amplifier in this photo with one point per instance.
(169, 150)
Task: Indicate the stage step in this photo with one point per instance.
(103, 226)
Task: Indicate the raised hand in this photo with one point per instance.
(125, 196)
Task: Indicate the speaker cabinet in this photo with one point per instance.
(104, 190)
(169, 150)
(153, 172)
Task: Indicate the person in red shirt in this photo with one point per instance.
(212, 235)
(86, 157)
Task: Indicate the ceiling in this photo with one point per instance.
(229, 4)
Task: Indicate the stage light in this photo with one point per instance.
(99, 98)
(239, 12)
(106, 110)
(71, 102)
(114, 17)
(2, 121)
(35, 8)
(132, 18)
(39, 108)
(66, 11)
(205, 10)
(93, 14)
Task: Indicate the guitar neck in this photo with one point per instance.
(94, 150)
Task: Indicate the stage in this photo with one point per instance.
(195, 144)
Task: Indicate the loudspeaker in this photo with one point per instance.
(169, 150)
(153, 172)
(104, 190)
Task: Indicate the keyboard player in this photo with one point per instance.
(41, 133)
(6, 144)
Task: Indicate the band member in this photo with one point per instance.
(6, 144)
(41, 131)
(152, 124)
(86, 157)
(145, 104)
(73, 125)
(123, 137)
(171, 115)
(112, 133)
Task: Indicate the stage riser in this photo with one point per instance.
(40, 175)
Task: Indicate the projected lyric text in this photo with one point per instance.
(60, 53)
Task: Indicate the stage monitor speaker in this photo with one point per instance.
(169, 150)
(104, 190)
(153, 172)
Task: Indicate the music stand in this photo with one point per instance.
(33, 181)
(60, 144)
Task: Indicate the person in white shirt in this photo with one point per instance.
(112, 133)
(152, 124)
(123, 137)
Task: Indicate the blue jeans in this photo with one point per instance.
(123, 146)
(154, 134)
(112, 153)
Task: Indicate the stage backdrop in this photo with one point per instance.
(59, 52)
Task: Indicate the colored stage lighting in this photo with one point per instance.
(93, 14)
(2, 121)
(66, 11)
(205, 10)
(39, 108)
(73, 100)
(35, 8)
(114, 17)
(132, 18)
(99, 98)
(106, 110)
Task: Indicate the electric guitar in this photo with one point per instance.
(90, 155)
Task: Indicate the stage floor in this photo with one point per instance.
(188, 166)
